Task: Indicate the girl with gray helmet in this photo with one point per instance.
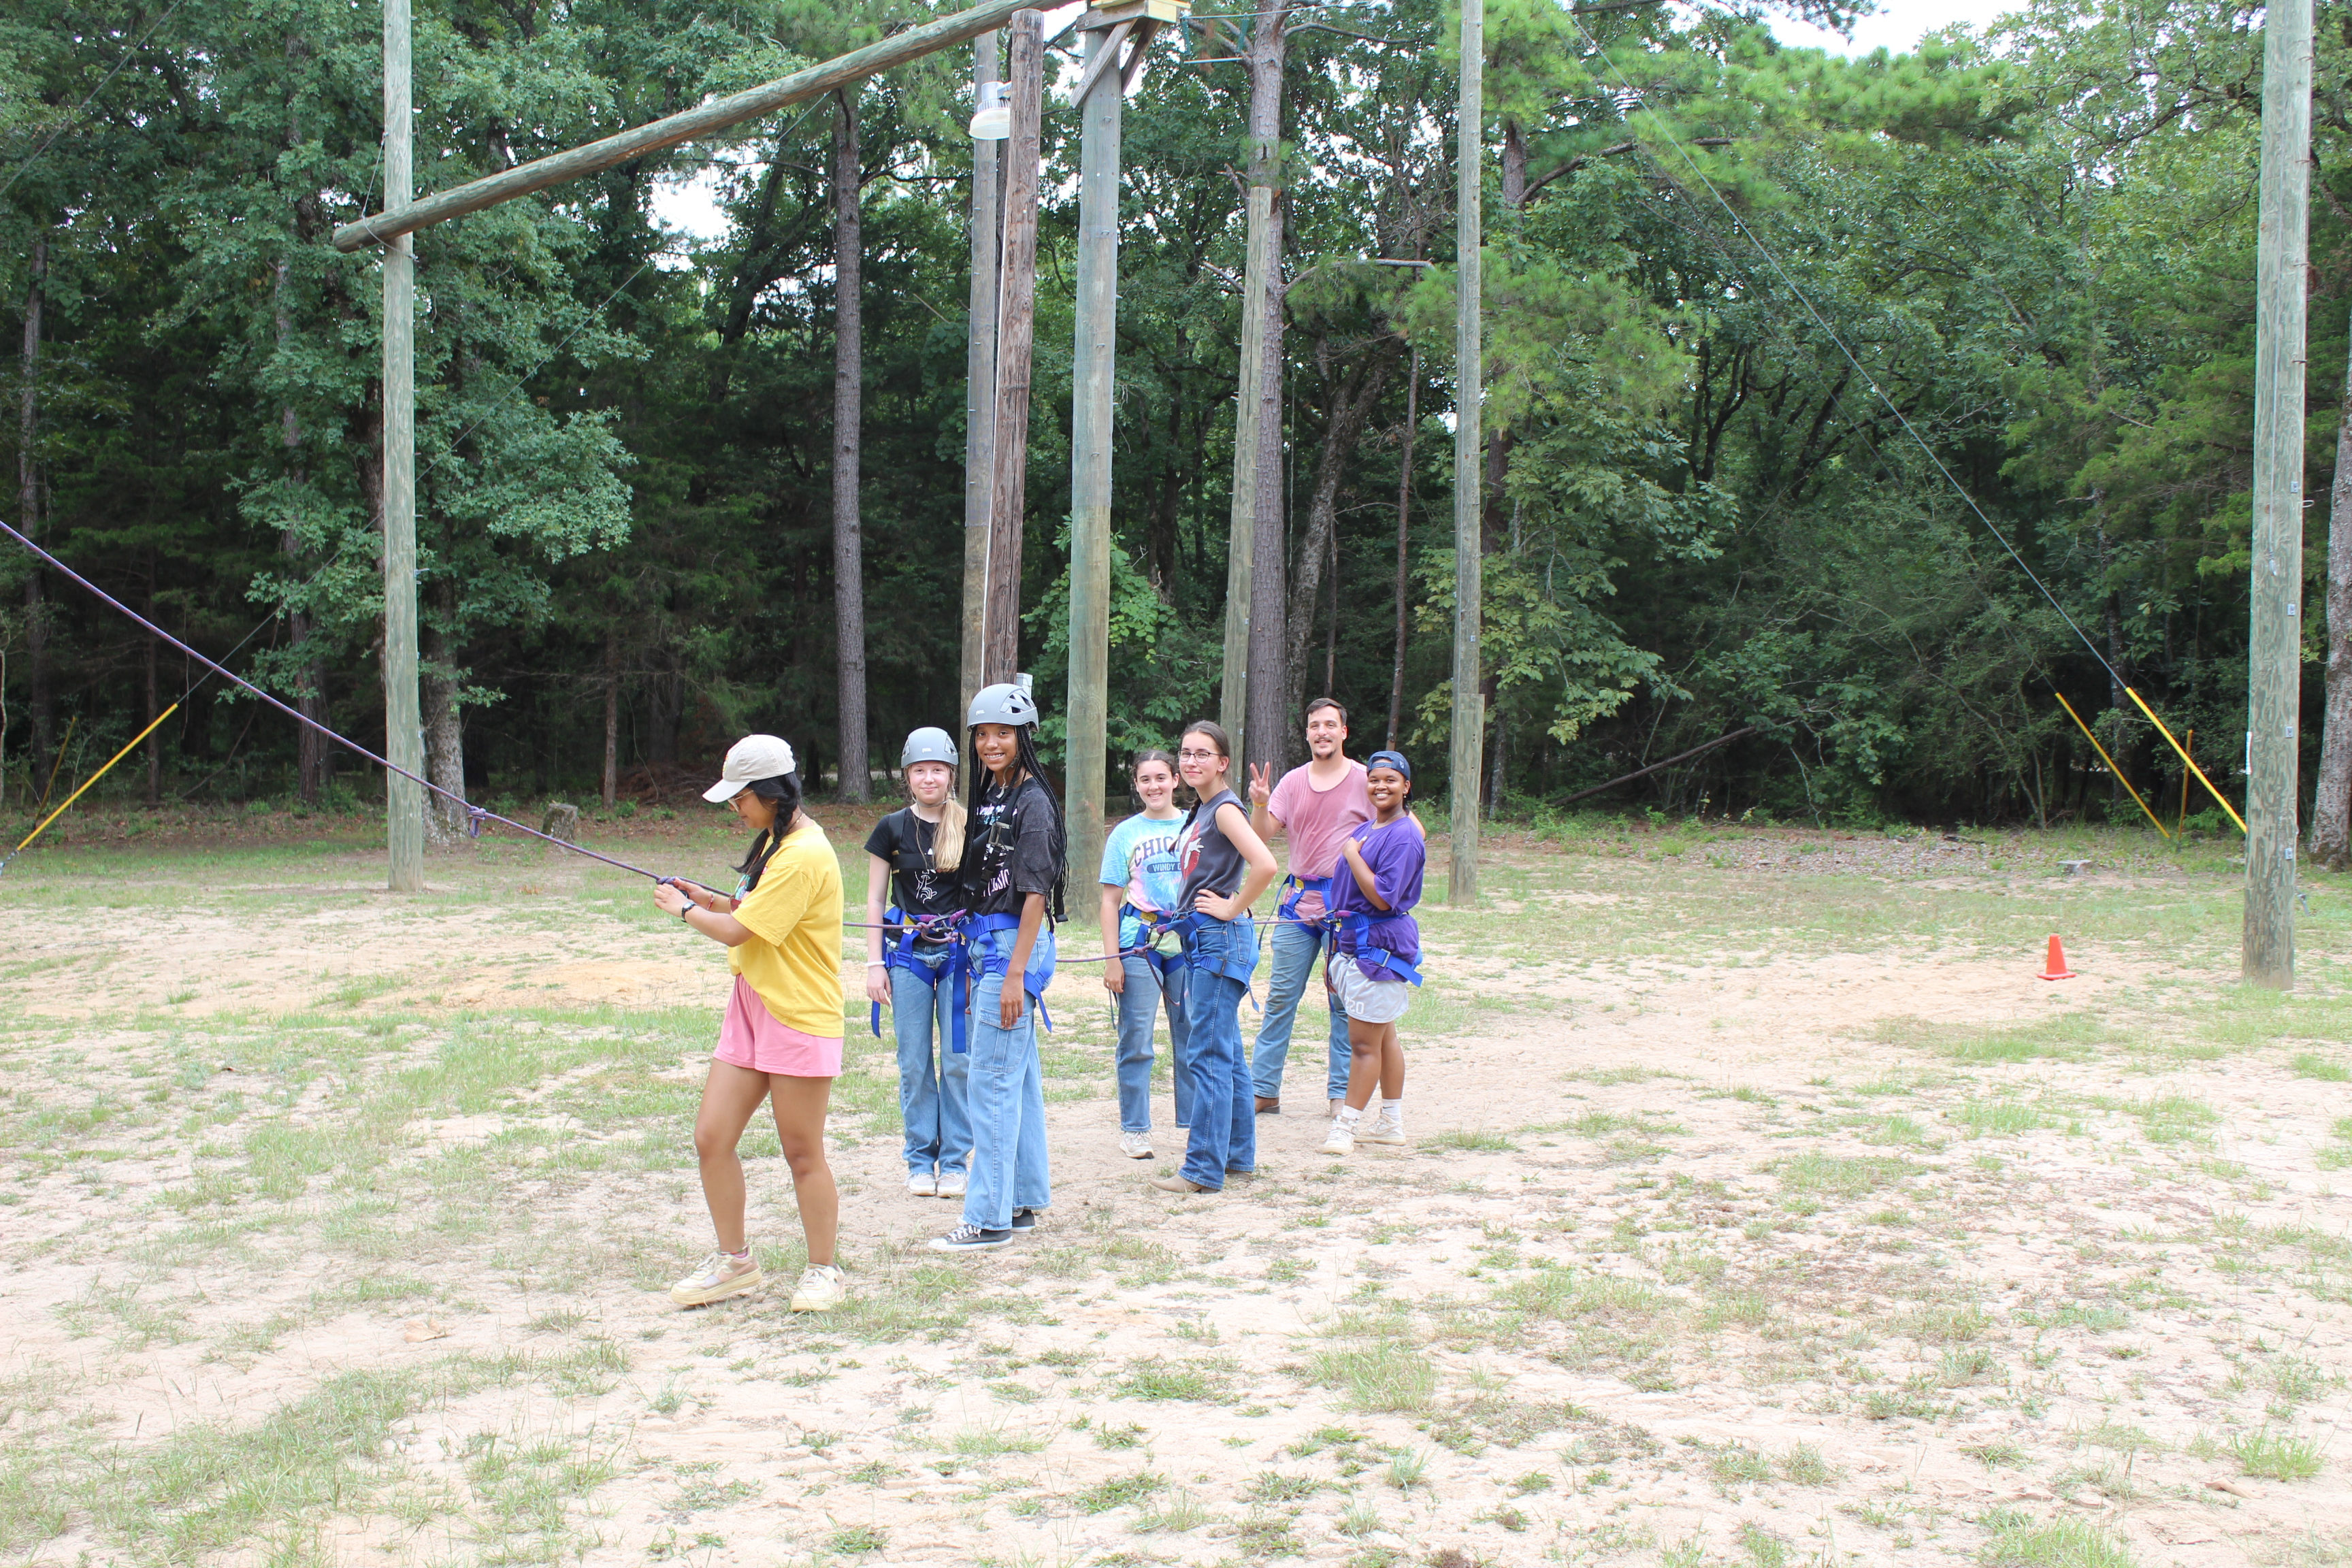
(1015, 854)
(914, 853)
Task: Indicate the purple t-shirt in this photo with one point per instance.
(1398, 856)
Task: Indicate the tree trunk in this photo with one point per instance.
(1404, 542)
(1269, 729)
(848, 403)
(1351, 408)
(2331, 812)
(612, 718)
(1331, 625)
(28, 511)
(445, 741)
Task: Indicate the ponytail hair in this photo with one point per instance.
(946, 839)
(784, 791)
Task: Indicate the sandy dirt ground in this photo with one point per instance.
(337, 1229)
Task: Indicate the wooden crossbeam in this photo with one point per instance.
(708, 119)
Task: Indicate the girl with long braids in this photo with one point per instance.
(1226, 866)
(1015, 849)
(781, 1040)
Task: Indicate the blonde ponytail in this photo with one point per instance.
(946, 839)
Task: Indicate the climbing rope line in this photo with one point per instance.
(1749, 234)
(475, 815)
(1773, 261)
(68, 124)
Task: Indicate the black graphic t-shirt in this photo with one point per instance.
(1012, 846)
(1205, 855)
(906, 841)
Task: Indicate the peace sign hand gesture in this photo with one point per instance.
(1260, 792)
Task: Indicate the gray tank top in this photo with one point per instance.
(1205, 855)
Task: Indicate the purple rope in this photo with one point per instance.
(475, 815)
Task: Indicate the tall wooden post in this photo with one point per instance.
(404, 738)
(2274, 652)
(1016, 326)
(1469, 706)
(1232, 697)
(1258, 403)
(1090, 438)
(979, 387)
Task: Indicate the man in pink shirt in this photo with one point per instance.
(1316, 806)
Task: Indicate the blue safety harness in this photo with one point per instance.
(970, 961)
(1296, 888)
(1359, 924)
(900, 954)
(1155, 926)
(1034, 979)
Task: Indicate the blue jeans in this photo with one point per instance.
(1225, 1117)
(1007, 1099)
(1295, 948)
(932, 1086)
(1138, 1005)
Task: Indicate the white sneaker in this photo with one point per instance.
(1387, 1130)
(923, 1184)
(1135, 1146)
(1341, 1139)
(720, 1276)
(822, 1286)
(951, 1184)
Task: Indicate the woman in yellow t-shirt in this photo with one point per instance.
(781, 1040)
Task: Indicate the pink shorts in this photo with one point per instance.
(750, 1037)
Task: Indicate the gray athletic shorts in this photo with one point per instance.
(1373, 1001)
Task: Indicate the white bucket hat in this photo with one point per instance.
(752, 757)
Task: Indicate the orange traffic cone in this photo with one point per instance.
(2057, 969)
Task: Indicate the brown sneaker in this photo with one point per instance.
(1269, 1105)
(720, 1277)
(1178, 1184)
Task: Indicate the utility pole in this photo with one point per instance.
(2274, 640)
(404, 733)
(1469, 465)
(980, 383)
(1016, 327)
(1101, 95)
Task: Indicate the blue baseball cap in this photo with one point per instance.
(1390, 760)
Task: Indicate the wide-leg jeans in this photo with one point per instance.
(1224, 1118)
(1138, 1008)
(1007, 1100)
(934, 1080)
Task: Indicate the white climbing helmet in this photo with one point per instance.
(1003, 703)
(928, 744)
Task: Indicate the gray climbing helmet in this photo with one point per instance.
(1003, 703)
(928, 745)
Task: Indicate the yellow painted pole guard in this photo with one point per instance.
(2106, 759)
(101, 772)
(2185, 757)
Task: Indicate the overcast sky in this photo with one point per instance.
(690, 207)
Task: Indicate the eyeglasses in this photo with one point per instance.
(1199, 756)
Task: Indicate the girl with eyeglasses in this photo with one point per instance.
(1226, 866)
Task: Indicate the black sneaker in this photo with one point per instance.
(970, 1239)
(1024, 1219)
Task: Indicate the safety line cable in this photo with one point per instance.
(68, 122)
(475, 814)
(1830, 333)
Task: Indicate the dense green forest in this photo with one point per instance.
(1701, 518)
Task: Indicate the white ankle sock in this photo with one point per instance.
(1346, 1116)
(1392, 1111)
